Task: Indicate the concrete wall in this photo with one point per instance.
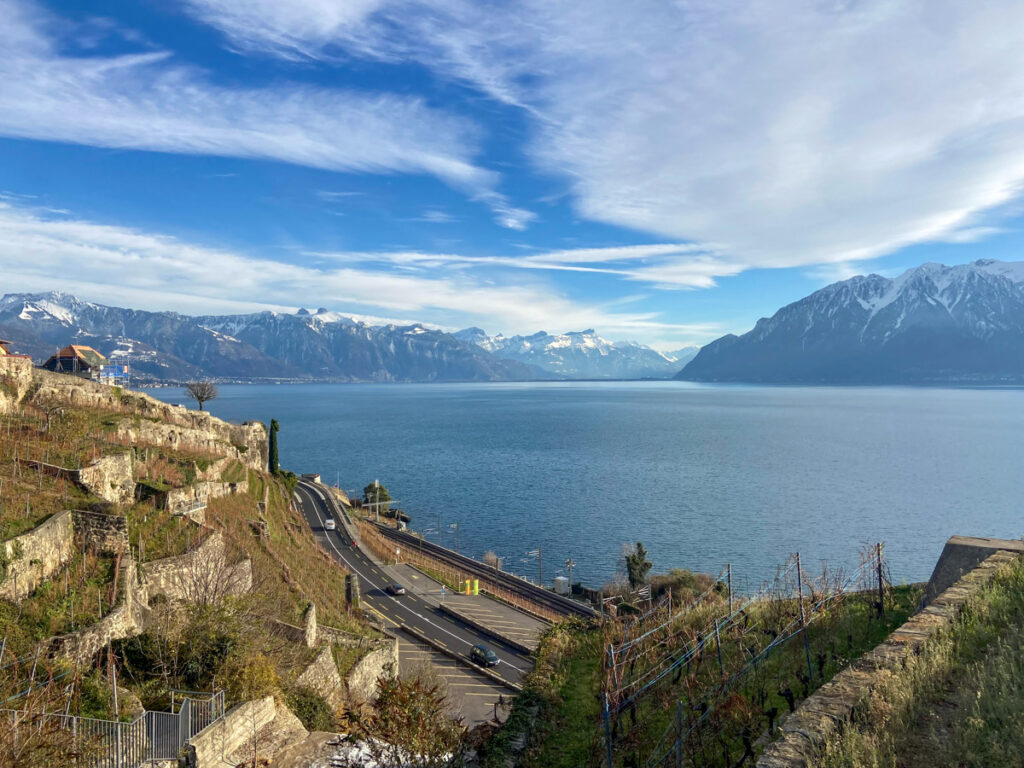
(962, 554)
(35, 556)
(823, 713)
(233, 731)
(110, 478)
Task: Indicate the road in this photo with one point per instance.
(409, 609)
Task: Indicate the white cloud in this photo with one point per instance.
(787, 132)
(149, 102)
(127, 266)
(666, 265)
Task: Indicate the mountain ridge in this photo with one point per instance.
(931, 324)
(577, 354)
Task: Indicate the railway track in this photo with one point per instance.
(526, 589)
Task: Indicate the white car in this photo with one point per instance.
(329, 524)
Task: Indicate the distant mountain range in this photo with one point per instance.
(932, 324)
(317, 345)
(582, 354)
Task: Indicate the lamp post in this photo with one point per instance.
(570, 564)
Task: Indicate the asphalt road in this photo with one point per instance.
(408, 609)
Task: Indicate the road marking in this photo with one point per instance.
(354, 570)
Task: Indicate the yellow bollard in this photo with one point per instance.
(476, 586)
(467, 587)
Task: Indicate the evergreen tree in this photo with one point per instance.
(275, 465)
(637, 566)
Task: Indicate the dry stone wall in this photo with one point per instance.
(322, 676)
(232, 731)
(106, 534)
(126, 620)
(825, 712)
(181, 500)
(16, 377)
(157, 423)
(205, 568)
(35, 556)
(361, 681)
(109, 478)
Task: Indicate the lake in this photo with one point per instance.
(701, 474)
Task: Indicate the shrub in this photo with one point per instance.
(311, 708)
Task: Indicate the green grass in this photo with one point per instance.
(960, 702)
(567, 685)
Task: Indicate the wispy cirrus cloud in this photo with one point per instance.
(40, 250)
(664, 265)
(148, 101)
(787, 132)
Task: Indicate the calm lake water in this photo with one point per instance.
(701, 474)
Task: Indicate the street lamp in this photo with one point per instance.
(570, 564)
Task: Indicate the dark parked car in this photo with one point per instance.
(395, 589)
(482, 655)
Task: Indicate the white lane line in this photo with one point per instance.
(414, 613)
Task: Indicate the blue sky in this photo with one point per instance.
(665, 172)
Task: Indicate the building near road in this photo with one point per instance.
(5, 345)
(78, 360)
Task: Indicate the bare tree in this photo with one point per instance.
(201, 391)
(208, 577)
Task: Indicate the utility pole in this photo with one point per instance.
(540, 567)
(570, 564)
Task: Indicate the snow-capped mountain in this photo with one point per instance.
(577, 355)
(931, 324)
(167, 345)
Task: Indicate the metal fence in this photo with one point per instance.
(152, 736)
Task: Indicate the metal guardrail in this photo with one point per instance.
(480, 570)
(151, 737)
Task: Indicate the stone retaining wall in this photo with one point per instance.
(823, 713)
(107, 534)
(110, 478)
(16, 373)
(126, 620)
(322, 676)
(35, 556)
(203, 570)
(232, 731)
(361, 681)
(179, 500)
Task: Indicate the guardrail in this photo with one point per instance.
(475, 568)
(151, 737)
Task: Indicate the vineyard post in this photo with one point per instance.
(803, 620)
(881, 583)
(728, 571)
(608, 731)
(679, 731)
(718, 647)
